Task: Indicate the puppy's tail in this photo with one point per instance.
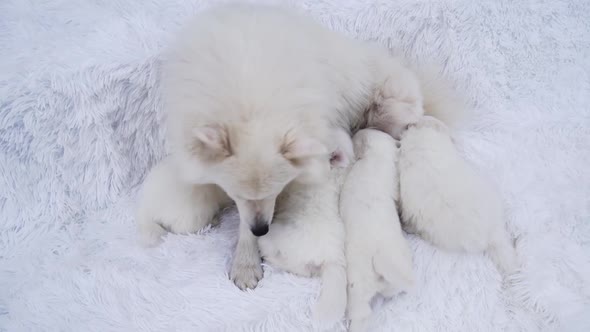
(440, 99)
(331, 303)
(502, 253)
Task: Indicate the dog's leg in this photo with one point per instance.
(167, 203)
(150, 233)
(198, 209)
(246, 268)
(398, 101)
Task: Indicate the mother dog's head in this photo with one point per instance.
(253, 164)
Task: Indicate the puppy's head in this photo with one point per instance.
(253, 166)
(373, 141)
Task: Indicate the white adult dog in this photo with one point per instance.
(444, 199)
(252, 95)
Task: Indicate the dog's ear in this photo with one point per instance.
(211, 143)
(300, 149)
(343, 153)
(339, 159)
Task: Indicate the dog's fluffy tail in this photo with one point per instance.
(502, 252)
(331, 304)
(440, 99)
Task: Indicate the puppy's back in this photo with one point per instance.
(443, 197)
(378, 257)
(373, 178)
(368, 207)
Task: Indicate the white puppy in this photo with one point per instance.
(379, 260)
(444, 199)
(307, 238)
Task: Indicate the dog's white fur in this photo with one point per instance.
(379, 260)
(446, 201)
(252, 95)
(169, 204)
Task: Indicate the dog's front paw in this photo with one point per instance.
(246, 275)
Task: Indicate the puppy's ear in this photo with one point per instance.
(211, 143)
(300, 149)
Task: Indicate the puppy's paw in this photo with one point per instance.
(246, 275)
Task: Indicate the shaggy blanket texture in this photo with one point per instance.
(81, 124)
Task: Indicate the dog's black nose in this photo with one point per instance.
(259, 229)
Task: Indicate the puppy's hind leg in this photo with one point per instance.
(359, 304)
(502, 252)
(331, 304)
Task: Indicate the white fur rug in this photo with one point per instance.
(80, 126)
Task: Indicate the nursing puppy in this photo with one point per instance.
(445, 201)
(252, 94)
(307, 235)
(379, 260)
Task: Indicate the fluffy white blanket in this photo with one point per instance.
(80, 124)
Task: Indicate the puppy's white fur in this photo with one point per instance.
(252, 94)
(307, 238)
(445, 200)
(379, 260)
